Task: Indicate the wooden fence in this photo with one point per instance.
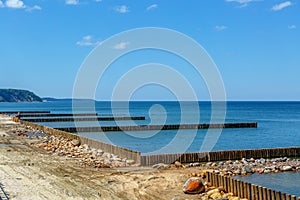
(246, 190)
(149, 160)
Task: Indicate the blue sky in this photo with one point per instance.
(254, 43)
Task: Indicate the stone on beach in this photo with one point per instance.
(194, 185)
(76, 142)
(286, 168)
(177, 164)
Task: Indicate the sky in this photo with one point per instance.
(254, 43)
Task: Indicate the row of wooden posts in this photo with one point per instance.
(158, 127)
(78, 119)
(246, 190)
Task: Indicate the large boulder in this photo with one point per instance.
(194, 185)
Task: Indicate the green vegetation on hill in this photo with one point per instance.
(13, 95)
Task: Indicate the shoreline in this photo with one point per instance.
(28, 172)
(142, 182)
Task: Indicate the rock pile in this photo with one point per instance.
(250, 166)
(58, 145)
(82, 152)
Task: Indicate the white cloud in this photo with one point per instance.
(35, 7)
(292, 27)
(87, 40)
(220, 28)
(281, 6)
(14, 4)
(121, 45)
(18, 4)
(98, 0)
(122, 9)
(151, 7)
(72, 2)
(243, 3)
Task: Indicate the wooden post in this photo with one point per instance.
(219, 180)
(289, 197)
(260, 193)
(269, 194)
(227, 184)
(234, 187)
(294, 197)
(273, 195)
(224, 182)
(278, 195)
(245, 189)
(238, 188)
(265, 193)
(283, 196)
(207, 177)
(253, 191)
(231, 186)
(249, 191)
(241, 188)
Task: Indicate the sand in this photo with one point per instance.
(27, 172)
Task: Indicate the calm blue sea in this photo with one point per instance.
(288, 182)
(278, 124)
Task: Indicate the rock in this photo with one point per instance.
(75, 142)
(286, 168)
(210, 192)
(85, 146)
(237, 172)
(228, 162)
(130, 162)
(262, 161)
(216, 195)
(221, 189)
(194, 185)
(177, 164)
(160, 166)
(248, 169)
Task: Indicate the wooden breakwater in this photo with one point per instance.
(158, 127)
(21, 115)
(148, 160)
(120, 151)
(246, 190)
(24, 112)
(83, 119)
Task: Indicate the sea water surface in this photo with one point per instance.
(278, 124)
(287, 182)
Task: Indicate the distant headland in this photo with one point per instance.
(16, 95)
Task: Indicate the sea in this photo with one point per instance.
(278, 125)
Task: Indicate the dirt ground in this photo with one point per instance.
(27, 172)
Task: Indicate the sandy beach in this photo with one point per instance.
(27, 172)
